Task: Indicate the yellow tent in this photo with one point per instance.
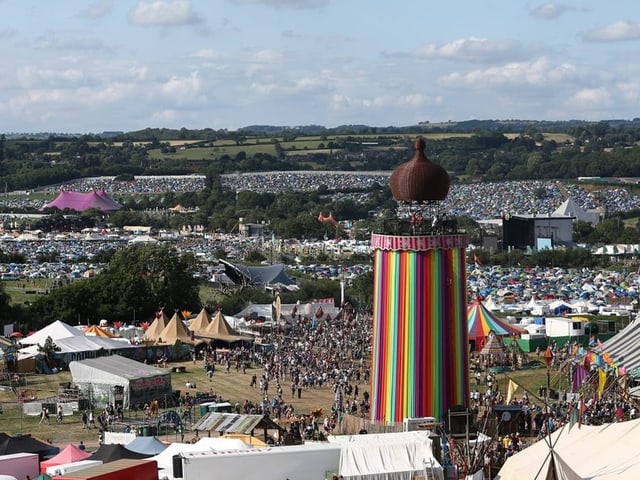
(201, 322)
(176, 330)
(98, 332)
(153, 332)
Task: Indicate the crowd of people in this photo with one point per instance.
(480, 201)
(311, 356)
(538, 414)
(303, 181)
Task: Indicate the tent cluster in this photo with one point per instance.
(72, 343)
(202, 329)
(535, 289)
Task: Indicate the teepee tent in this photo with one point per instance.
(493, 346)
(219, 329)
(201, 322)
(481, 321)
(177, 330)
(153, 332)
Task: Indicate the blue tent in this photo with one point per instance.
(146, 445)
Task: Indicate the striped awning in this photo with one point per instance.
(623, 348)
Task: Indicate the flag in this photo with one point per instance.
(476, 260)
(574, 415)
(602, 380)
(511, 390)
(580, 374)
(600, 345)
(592, 341)
(581, 409)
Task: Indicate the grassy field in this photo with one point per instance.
(234, 386)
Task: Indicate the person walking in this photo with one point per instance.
(44, 416)
(85, 420)
(60, 415)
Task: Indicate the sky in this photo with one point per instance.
(82, 66)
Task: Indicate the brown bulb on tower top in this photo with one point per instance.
(419, 179)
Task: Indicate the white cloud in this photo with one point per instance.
(206, 53)
(590, 98)
(7, 32)
(263, 88)
(98, 9)
(382, 102)
(138, 72)
(184, 88)
(267, 56)
(621, 30)
(473, 49)
(630, 91)
(164, 116)
(548, 10)
(31, 76)
(68, 41)
(293, 4)
(538, 73)
(301, 86)
(163, 13)
(63, 98)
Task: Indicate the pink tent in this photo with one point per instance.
(80, 202)
(70, 454)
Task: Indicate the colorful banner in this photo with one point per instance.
(420, 343)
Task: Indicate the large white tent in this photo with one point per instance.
(55, 330)
(600, 452)
(139, 382)
(387, 456)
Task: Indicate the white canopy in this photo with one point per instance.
(600, 452)
(140, 382)
(82, 343)
(388, 456)
(56, 331)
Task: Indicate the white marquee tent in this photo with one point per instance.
(56, 331)
(140, 382)
(600, 452)
(388, 456)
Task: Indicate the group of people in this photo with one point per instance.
(44, 415)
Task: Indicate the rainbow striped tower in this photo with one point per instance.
(420, 347)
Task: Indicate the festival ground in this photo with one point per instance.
(233, 386)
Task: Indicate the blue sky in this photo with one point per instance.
(89, 66)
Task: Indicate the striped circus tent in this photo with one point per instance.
(481, 321)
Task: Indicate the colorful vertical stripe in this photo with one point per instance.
(420, 345)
